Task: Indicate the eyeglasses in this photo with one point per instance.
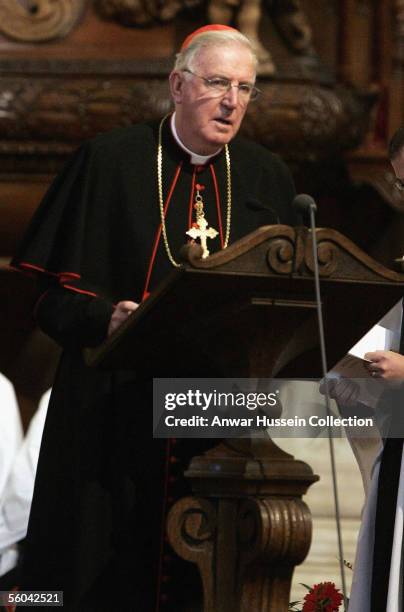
(399, 184)
(247, 91)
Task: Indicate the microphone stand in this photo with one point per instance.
(306, 203)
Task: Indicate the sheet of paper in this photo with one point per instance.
(351, 366)
(385, 335)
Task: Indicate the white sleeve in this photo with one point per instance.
(11, 433)
(15, 503)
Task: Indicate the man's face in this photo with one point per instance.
(207, 119)
(398, 167)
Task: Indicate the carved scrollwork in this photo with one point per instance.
(339, 257)
(274, 535)
(191, 526)
(327, 257)
(235, 542)
(39, 20)
(279, 530)
(280, 256)
(191, 529)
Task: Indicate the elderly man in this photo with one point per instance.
(109, 229)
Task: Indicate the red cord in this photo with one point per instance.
(191, 199)
(158, 233)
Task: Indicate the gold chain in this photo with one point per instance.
(161, 200)
(228, 214)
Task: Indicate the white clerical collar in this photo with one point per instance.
(198, 160)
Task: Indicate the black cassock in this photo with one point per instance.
(95, 526)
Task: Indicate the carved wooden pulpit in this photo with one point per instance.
(250, 311)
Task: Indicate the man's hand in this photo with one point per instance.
(386, 364)
(344, 390)
(121, 312)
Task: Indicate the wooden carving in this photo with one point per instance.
(247, 15)
(287, 15)
(196, 521)
(53, 115)
(39, 20)
(138, 12)
(277, 534)
(283, 250)
(246, 542)
(292, 23)
(339, 257)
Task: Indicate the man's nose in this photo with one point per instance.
(231, 98)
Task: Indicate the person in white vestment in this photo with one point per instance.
(371, 593)
(18, 461)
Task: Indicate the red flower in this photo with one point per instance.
(323, 597)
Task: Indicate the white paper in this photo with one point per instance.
(384, 336)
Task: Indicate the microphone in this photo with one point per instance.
(256, 205)
(304, 203)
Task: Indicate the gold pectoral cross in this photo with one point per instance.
(200, 228)
(202, 232)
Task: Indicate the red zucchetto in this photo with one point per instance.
(213, 27)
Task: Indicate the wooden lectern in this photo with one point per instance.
(250, 311)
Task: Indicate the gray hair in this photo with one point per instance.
(186, 58)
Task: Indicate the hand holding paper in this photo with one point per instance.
(372, 357)
(386, 364)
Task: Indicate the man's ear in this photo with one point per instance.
(176, 81)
